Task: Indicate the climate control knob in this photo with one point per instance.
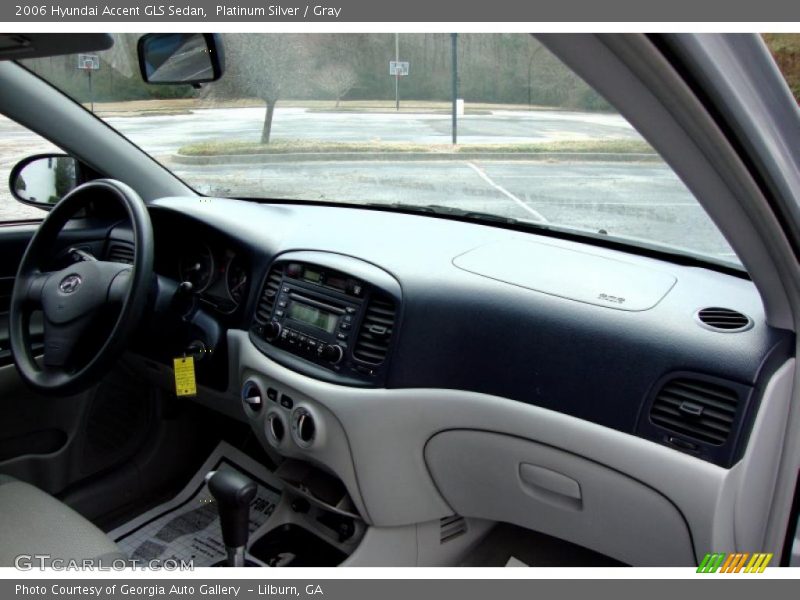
(275, 428)
(271, 331)
(332, 353)
(306, 428)
(305, 431)
(251, 395)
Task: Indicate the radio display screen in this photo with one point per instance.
(312, 276)
(313, 316)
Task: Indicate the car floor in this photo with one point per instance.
(533, 549)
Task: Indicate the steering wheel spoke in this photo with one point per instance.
(90, 307)
(120, 285)
(31, 288)
(61, 341)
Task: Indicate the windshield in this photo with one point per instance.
(368, 119)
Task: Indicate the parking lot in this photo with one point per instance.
(629, 198)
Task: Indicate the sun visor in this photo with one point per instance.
(18, 46)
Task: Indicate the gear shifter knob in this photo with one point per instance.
(233, 493)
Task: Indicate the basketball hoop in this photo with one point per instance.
(88, 62)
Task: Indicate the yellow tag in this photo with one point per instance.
(185, 384)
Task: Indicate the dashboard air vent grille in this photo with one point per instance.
(372, 344)
(451, 527)
(723, 319)
(699, 409)
(268, 294)
(120, 252)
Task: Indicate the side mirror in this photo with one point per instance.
(180, 58)
(43, 179)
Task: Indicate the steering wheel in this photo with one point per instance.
(73, 299)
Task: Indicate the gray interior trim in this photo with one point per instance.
(32, 103)
(760, 465)
(483, 474)
(416, 545)
(35, 523)
(381, 546)
(787, 474)
(432, 551)
(387, 431)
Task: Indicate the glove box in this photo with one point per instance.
(504, 478)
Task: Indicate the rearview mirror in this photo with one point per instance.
(180, 58)
(43, 179)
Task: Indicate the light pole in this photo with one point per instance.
(454, 58)
(397, 72)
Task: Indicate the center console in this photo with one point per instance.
(333, 318)
(329, 316)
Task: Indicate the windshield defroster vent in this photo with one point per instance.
(268, 294)
(372, 344)
(724, 319)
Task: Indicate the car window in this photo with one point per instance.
(368, 119)
(785, 49)
(16, 143)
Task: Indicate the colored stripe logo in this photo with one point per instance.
(738, 562)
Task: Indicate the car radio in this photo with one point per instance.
(315, 313)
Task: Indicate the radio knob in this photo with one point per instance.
(332, 353)
(271, 331)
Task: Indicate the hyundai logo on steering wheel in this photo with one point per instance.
(70, 283)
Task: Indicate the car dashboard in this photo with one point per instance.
(416, 357)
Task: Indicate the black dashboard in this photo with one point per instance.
(362, 298)
(216, 265)
(328, 316)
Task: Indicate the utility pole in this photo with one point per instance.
(91, 91)
(454, 50)
(397, 72)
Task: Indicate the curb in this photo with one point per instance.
(266, 159)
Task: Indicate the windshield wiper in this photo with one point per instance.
(476, 215)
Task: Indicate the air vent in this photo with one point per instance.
(451, 527)
(268, 294)
(724, 319)
(372, 344)
(699, 409)
(120, 252)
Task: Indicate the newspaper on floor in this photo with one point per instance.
(515, 562)
(187, 528)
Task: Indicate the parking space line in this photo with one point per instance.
(558, 177)
(506, 193)
(603, 203)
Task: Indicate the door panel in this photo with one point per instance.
(14, 239)
(35, 432)
(55, 443)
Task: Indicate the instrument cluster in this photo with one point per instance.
(218, 275)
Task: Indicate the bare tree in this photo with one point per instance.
(260, 65)
(336, 80)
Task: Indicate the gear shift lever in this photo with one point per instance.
(233, 493)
